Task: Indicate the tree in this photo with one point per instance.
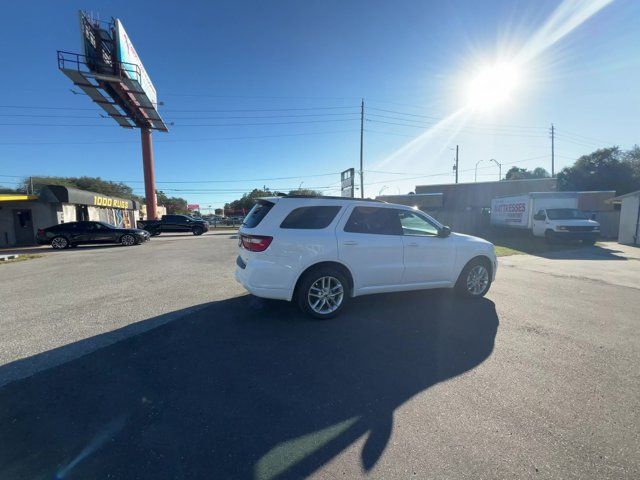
(248, 200)
(517, 173)
(305, 191)
(174, 205)
(93, 184)
(604, 169)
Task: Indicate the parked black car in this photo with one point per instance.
(73, 234)
(175, 223)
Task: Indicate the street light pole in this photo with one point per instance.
(499, 167)
(475, 178)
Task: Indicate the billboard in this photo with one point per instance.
(193, 206)
(97, 45)
(347, 179)
(127, 53)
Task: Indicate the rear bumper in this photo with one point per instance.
(246, 276)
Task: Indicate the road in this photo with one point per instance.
(190, 378)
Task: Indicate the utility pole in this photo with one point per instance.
(361, 147)
(456, 163)
(553, 138)
(31, 184)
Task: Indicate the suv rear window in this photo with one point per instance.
(310, 218)
(257, 213)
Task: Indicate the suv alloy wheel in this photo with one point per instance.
(323, 292)
(475, 279)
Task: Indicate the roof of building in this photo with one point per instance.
(626, 195)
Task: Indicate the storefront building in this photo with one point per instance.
(22, 215)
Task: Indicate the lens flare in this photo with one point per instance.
(493, 85)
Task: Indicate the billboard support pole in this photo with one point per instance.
(149, 174)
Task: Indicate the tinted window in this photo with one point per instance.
(61, 227)
(414, 224)
(310, 218)
(382, 221)
(257, 213)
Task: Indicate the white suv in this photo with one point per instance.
(321, 251)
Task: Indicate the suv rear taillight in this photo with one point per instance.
(255, 243)
(40, 232)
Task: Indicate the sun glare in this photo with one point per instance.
(492, 86)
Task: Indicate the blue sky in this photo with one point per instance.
(303, 67)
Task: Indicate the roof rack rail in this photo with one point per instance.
(329, 197)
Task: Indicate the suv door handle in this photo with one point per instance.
(412, 244)
(350, 242)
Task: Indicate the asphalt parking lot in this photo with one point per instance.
(150, 362)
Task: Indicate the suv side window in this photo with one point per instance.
(374, 220)
(310, 218)
(414, 224)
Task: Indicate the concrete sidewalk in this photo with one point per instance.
(601, 263)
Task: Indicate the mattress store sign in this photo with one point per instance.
(110, 202)
(510, 211)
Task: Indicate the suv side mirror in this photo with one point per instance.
(444, 232)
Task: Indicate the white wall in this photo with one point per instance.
(628, 220)
(42, 214)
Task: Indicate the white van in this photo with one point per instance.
(552, 215)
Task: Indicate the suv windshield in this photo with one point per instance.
(257, 213)
(565, 214)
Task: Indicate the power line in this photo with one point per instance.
(462, 128)
(192, 140)
(439, 119)
(185, 124)
(205, 181)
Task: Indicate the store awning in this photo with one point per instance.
(61, 194)
(17, 197)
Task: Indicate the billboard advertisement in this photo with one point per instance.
(510, 211)
(127, 54)
(193, 206)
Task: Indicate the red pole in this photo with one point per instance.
(149, 174)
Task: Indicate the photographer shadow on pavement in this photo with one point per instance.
(242, 388)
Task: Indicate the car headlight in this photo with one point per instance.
(596, 228)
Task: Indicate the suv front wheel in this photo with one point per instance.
(475, 279)
(323, 292)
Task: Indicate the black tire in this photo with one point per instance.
(550, 236)
(325, 295)
(59, 243)
(480, 269)
(198, 231)
(128, 240)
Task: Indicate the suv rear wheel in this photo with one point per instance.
(198, 231)
(323, 292)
